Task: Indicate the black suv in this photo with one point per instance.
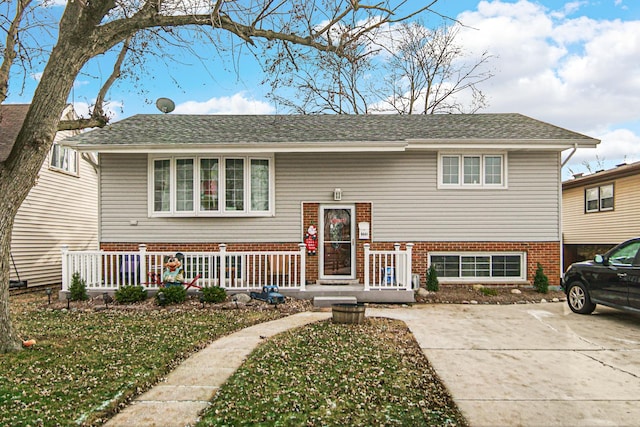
(612, 279)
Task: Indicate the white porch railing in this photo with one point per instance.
(386, 270)
(109, 270)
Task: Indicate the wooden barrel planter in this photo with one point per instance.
(348, 313)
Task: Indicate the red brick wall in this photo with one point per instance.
(546, 253)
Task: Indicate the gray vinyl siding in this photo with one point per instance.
(402, 187)
(60, 209)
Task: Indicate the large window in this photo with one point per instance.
(488, 267)
(64, 159)
(597, 199)
(471, 170)
(210, 186)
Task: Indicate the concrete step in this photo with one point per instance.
(328, 301)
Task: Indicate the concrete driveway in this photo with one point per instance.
(532, 364)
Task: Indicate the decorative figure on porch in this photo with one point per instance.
(311, 240)
(172, 275)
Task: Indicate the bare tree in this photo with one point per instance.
(326, 83)
(88, 28)
(404, 68)
(428, 69)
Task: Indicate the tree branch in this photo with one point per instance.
(9, 53)
(98, 110)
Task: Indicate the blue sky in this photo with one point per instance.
(574, 64)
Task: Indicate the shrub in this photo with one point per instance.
(541, 281)
(130, 293)
(172, 295)
(214, 294)
(78, 288)
(432, 279)
(489, 291)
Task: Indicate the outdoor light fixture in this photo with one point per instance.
(201, 296)
(49, 291)
(337, 194)
(105, 298)
(161, 298)
(68, 299)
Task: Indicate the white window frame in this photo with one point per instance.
(598, 199)
(66, 161)
(483, 279)
(482, 185)
(222, 210)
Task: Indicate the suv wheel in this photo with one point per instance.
(578, 299)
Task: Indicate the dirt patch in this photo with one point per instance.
(463, 294)
(290, 306)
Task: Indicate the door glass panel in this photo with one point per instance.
(337, 242)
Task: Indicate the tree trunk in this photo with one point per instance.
(19, 172)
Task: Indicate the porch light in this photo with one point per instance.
(68, 299)
(337, 194)
(49, 291)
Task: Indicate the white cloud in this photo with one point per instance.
(616, 146)
(236, 104)
(578, 73)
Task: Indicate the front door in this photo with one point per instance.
(337, 242)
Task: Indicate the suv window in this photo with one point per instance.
(625, 255)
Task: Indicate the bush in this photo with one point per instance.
(78, 288)
(130, 293)
(432, 279)
(172, 295)
(214, 294)
(489, 291)
(541, 281)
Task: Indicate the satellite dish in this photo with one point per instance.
(165, 105)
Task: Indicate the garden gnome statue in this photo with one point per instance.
(172, 275)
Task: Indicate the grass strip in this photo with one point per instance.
(328, 374)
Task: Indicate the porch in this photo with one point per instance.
(386, 275)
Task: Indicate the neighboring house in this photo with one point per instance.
(599, 211)
(478, 195)
(62, 208)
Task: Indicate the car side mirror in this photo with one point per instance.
(599, 259)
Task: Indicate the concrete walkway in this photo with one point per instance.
(189, 388)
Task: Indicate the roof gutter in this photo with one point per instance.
(323, 147)
(501, 144)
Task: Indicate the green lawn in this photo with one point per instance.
(85, 364)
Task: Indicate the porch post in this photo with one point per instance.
(303, 266)
(143, 264)
(65, 267)
(367, 286)
(222, 274)
(409, 277)
(397, 265)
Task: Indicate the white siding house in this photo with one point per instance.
(478, 196)
(61, 209)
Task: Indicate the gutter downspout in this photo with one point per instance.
(575, 148)
(564, 162)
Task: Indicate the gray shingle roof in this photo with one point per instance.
(158, 129)
(11, 118)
